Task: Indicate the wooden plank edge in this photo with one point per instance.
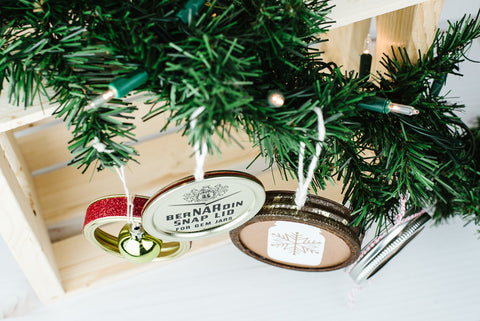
(412, 28)
(346, 44)
(26, 236)
(15, 117)
(83, 267)
(346, 12)
(20, 169)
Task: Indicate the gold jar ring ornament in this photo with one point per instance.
(113, 209)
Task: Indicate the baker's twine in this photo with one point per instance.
(304, 182)
(398, 219)
(200, 150)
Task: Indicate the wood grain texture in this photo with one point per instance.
(64, 194)
(346, 12)
(412, 28)
(20, 169)
(83, 266)
(345, 45)
(25, 233)
(54, 137)
(12, 116)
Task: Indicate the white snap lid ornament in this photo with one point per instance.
(192, 209)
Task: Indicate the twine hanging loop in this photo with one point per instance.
(304, 182)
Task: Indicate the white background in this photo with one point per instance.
(436, 277)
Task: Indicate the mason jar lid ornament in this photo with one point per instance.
(383, 248)
(205, 204)
(316, 237)
(192, 209)
(298, 231)
(382, 251)
(112, 209)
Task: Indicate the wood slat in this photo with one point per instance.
(46, 147)
(64, 194)
(83, 266)
(25, 233)
(12, 117)
(350, 11)
(412, 28)
(345, 44)
(20, 169)
(49, 146)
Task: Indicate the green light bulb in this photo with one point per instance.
(120, 87)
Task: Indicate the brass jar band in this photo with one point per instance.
(318, 212)
(94, 233)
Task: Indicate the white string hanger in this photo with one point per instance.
(201, 150)
(99, 146)
(398, 219)
(121, 173)
(102, 148)
(304, 182)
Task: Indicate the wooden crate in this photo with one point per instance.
(44, 200)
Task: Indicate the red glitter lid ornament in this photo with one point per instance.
(112, 209)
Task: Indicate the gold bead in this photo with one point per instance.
(137, 246)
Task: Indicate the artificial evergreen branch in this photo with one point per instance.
(429, 154)
(226, 56)
(464, 200)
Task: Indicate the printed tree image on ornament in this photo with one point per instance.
(295, 243)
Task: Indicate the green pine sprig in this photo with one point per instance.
(226, 58)
(428, 155)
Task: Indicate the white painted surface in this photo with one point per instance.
(466, 90)
(436, 277)
(350, 11)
